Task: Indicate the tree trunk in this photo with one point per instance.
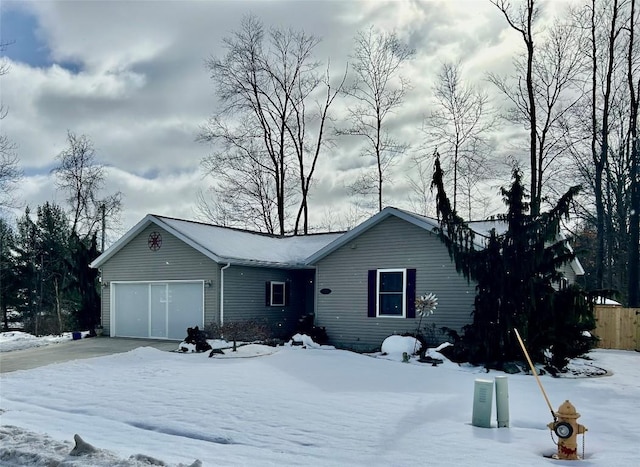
(378, 157)
(455, 176)
(633, 274)
(58, 307)
(524, 26)
(600, 157)
(533, 137)
(634, 228)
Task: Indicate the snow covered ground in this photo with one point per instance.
(303, 406)
(17, 340)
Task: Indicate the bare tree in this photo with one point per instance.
(307, 154)
(332, 221)
(264, 83)
(421, 198)
(244, 194)
(603, 144)
(10, 172)
(82, 179)
(458, 126)
(600, 142)
(523, 22)
(378, 90)
(633, 81)
(542, 91)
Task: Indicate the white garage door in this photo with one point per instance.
(161, 310)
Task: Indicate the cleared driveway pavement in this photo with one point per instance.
(75, 350)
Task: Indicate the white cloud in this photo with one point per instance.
(141, 91)
(168, 194)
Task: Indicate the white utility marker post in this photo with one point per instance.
(502, 401)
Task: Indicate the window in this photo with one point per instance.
(392, 293)
(276, 294)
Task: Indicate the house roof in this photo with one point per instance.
(228, 245)
(423, 222)
(482, 228)
(242, 247)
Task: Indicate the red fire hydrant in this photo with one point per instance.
(567, 428)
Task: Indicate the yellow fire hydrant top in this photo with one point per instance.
(567, 410)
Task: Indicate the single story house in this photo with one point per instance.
(166, 274)
(369, 278)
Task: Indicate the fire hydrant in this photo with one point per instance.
(567, 428)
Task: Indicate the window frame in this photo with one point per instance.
(284, 293)
(403, 293)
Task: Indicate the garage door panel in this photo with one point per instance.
(185, 308)
(133, 300)
(160, 310)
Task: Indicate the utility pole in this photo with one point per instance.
(2, 308)
(103, 210)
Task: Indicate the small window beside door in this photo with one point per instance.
(276, 294)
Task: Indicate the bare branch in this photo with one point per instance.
(378, 91)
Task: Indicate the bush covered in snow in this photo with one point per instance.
(399, 345)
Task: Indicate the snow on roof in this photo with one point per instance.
(606, 301)
(243, 247)
(228, 245)
(485, 227)
(231, 244)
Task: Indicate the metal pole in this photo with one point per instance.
(535, 373)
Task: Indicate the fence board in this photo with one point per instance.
(617, 327)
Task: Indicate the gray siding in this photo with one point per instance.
(175, 260)
(245, 296)
(393, 243)
(568, 273)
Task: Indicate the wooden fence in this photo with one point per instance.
(617, 327)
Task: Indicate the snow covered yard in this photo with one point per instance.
(302, 406)
(18, 340)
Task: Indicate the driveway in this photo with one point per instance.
(75, 350)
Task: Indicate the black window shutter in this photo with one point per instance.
(371, 295)
(267, 294)
(287, 293)
(411, 293)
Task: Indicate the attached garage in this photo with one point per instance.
(162, 310)
(166, 275)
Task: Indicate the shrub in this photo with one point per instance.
(306, 326)
(250, 330)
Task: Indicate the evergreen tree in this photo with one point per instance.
(56, 289)
(28, 271)
(43, 257)
(517, 276)
(84, 282)
(54, 235)
(8, 272)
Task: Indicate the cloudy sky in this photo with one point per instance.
(130, 75)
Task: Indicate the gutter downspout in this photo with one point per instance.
(222, 293)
